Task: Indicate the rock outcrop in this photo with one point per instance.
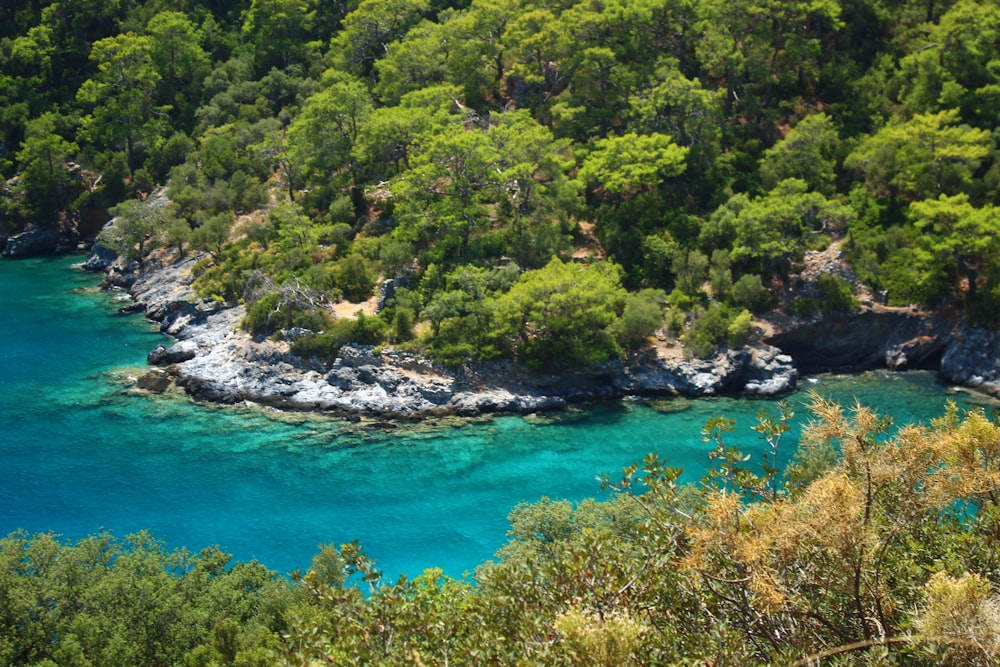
(898, 339)
(214, 360)
(33, 242)
(973, 359)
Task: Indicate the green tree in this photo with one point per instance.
(690, 268)
(180, 62)
(276, 30)
(692, 115)
(948, 65)
(129, 601)
(370, 29)
(135, 229)
(772, 229)
(354, 276)
(749, 292)
(178, 235)
(755, 49)
(213, 232)
(539, 197)
(121, 96)
(642, 315)
(43, 160)
(720, 274)
(419, 60)
(322, 136)
(560, 312)
(963, 238)
(477, 59)
(446, 198)
(536, 40)
(924, 157)
(386, 141)
(808, 152)
(632, 162)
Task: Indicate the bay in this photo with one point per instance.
(80, 452)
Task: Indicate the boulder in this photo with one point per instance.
(768, 372)
(155, 381)
(34, 242)
(177, 353)
(209, 390)
(101, 257)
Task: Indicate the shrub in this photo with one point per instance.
(284, 308)
(641, 316)
(364, 330)
(803, 306)
(680, 301)
(749, 292)
(317, 345)
(354, 277)
(739, 329)
(452, 354)
(717, 324)
(676, 318)
(402, 325)
(835, 293)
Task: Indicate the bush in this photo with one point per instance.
(678, 300)
(354, 278)
(835, 293)
(402, 325)
(452, 354)
(281, 309)
(676, 318)
(317, 345)
(641, 316)
(718, 324)
(803, 306)
(739, 329)
(749, 292)
(364, 330)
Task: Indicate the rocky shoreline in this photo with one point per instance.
(214, 360)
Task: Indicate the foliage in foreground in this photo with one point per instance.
(877, 546)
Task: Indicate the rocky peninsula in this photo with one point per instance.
(214, 360)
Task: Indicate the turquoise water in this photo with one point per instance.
(79, 452)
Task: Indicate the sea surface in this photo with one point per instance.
(81, 452)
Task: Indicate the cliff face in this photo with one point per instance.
(897, 339)
(973, 359)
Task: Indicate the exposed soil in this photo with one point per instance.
(588, 245)
(348, 310)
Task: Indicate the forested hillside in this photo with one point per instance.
(685, 154)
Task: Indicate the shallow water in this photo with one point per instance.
(79, 452)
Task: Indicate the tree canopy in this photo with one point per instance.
(421, 139)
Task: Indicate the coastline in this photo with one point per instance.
(214, 360)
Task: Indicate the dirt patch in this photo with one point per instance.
(345, 310)
(669, 349)
(588, 245)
